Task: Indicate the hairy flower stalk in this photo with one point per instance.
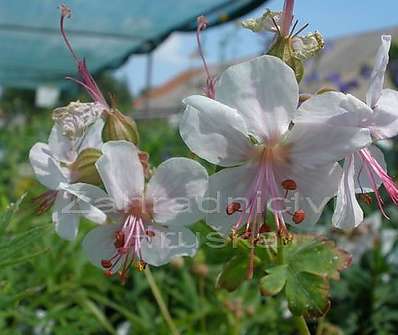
(209, 89)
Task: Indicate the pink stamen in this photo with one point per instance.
(287, 17)
(130, 234)
(372, 167)
(87, 81)
(209, 89)
(45, 201)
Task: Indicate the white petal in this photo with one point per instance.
(98, 244)
(226, 186)
(66, 216)
(319, 144)
(46, 168)
(315, 187)
(335, 108)
(121, 172)
(264, 90)
(362, 182)
(347, 213)
(92, 137)
(385, 121)
(167, 244)
(93, 202)
(214, 131)
(175, 189)
(377, 77)
(92, 195)
(62, 147)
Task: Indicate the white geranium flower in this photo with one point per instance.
(52, 165)
(247, 130)
(365, 170)
(151, 220)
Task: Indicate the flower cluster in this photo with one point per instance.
(280, 161)
(93, 167)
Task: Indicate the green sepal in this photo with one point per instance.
(119, 127)
(234, 272)
(282, 49)
(84, 169)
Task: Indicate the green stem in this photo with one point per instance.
(301, 325)
(158, 297)
(279, 256)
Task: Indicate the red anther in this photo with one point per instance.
(119, 239)
(289, 185)
(150, 233)
(108, 273)
(366, 198)
(264, 229)
(233, 207)
(298, 216)
(106, 263)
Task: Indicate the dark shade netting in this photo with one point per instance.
(105, 33)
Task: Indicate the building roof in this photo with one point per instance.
(345, 64)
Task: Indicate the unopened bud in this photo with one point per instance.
(83, 168)
(201, 270)
(177, 262)
(119, 127)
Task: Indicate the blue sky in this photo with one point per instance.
(333, 18)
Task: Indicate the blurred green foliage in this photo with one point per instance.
(47, 286)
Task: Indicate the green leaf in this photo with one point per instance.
(316, 255)
(275, 281)
(307, 294)
(9, 213)
(20, 245)
(234, 273)
(307, 263)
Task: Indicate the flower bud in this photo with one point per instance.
(83, 168)
(119, 127)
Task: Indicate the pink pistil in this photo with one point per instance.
(373, 168)
(87, 80)
(287, 17)
(209, 89)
